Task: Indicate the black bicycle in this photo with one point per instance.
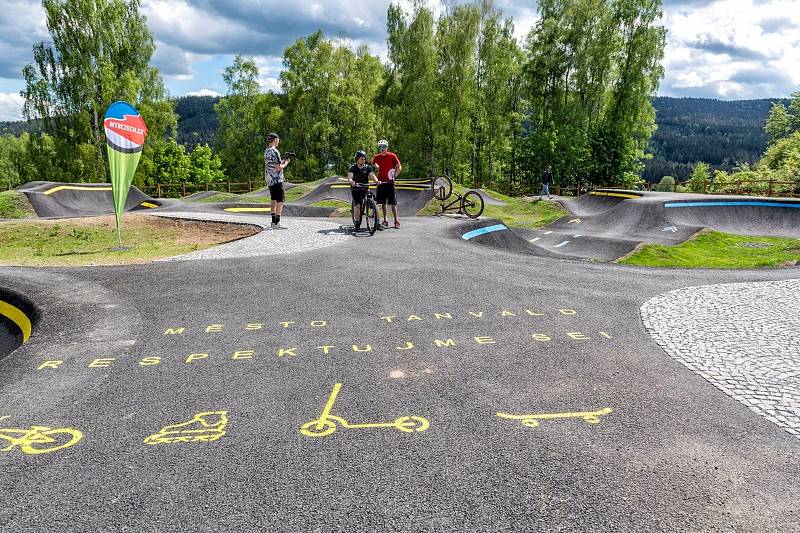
(470, 204)
(368, 211)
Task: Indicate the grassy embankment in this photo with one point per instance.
(14, 205)
(88, 241)
(517, 213)
(295, 193)
(719, 250)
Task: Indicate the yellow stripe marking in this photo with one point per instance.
(248, 209)
(615, 194)
(17, 317)
(75, 188)
(148, 204)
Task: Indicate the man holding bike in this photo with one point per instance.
(388, 168)
(360, 175)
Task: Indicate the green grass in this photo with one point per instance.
(13, 204)
(517, 213)
(219, 197)
(719, 250)
(295, 193)
(302, 189)
(339, 204)
(88, 241)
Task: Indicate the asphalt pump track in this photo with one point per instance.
(404, 382)
(607, 224)
(62, 200)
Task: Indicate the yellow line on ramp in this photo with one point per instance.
(17, 317)
(75, 188)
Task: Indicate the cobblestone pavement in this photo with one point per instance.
(744, 338)
(301, 235)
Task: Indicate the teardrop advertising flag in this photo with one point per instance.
(125, 134)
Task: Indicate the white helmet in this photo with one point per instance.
(383, 142)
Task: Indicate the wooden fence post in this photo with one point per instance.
(770, 188)
(229, 185)
(183, 189)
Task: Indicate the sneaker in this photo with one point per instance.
(396, 224)
(272, 225)
(385, 224)
(357, 227)
(279, 226)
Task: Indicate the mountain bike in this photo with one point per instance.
(369, 209)
(470, 204)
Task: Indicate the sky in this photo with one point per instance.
(726, 49)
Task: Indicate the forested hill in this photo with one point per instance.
(198, 122)
(721, 133)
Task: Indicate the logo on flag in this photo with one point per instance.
(125, 129)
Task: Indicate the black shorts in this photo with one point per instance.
(276, 192)
(358, 194)
(385, 194)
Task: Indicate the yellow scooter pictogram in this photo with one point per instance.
(532, 420)
(328, 423)
(39, 439)
(204, 427)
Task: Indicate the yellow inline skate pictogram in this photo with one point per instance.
(532, 420)
(39, 439)
(328, 423)
(204, 427)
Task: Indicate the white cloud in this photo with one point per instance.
(732, 49)
(11, 106)
(203, 92)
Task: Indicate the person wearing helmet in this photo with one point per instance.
(273, 175)
(388, 168)
(363, 174)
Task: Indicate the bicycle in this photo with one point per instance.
(39, 439)
(368, 209)
(470, 204)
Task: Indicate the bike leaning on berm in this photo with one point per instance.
(470, 204)
(368, 212)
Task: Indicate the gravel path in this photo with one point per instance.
(301, 235)
(741, 337)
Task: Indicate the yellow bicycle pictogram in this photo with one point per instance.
(207, 426)
(328, 423)
(532, 420)
(39, 439)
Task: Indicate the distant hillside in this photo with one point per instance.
(689, 130)
(198, 122)
(699, 129)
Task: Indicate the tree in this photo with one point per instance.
(592, 67)
(167, 163)
(100, 52)
(330, 109)
(698, 181)
(778, 124)
(13, 158)
(667, 184)
(239, 140)
(205, 165)
(410, 90)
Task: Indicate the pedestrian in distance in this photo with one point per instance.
(547, 179)
(389, 167)
(273, 175)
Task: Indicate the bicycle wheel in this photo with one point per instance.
(356, 223)
(472, 204)
(372, 216)
(442, 187)
(52, 440)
